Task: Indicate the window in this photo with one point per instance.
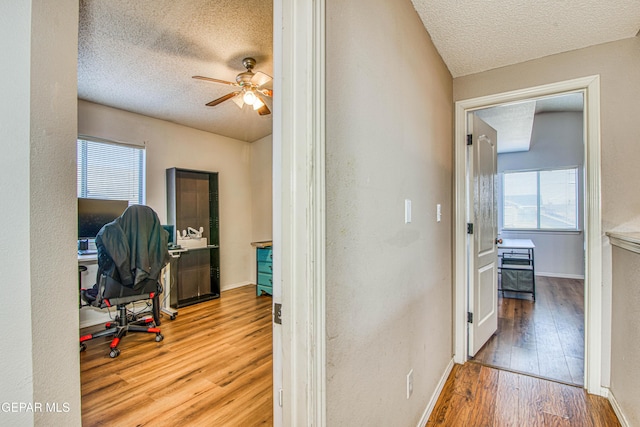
(540, 200)
(111, 171)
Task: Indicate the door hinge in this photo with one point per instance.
(469, 228)
(469, 317)
(277, 313)
(470, 139)
(280, 393)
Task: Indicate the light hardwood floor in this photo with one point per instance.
(213, 368)
(543, 338)
(480, 396)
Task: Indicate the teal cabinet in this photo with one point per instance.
(264, 262)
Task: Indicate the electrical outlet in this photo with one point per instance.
(409, 383)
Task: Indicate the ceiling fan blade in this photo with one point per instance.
(260, 78)
(222, 99)
(264, 110)
(265, 92)
(238, 100)
(210, 79)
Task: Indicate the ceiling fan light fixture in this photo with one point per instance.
(252, 88)
(249, 97)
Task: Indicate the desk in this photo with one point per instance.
(516, 266)
(87, 259)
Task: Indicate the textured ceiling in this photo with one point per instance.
(140, 56)
(474, 36)
(514, 122)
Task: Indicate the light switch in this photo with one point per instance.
(438, 212)
(407, 211)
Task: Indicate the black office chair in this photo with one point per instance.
(132, 250)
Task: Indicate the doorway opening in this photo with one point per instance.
(589, 88)
(540, 239)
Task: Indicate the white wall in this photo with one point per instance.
(617, 63)
(16, 359)
(170, 145)
(261, 192)
(625, 369)
(261, 189)
(556, 142)
(388, 284)
(39, 360)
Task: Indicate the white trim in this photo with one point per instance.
(590, 86)
(318, 215)
(235, 286)
(628, 241)
(138, 145)
(436, 394)
(617, 409)
(560, 275)
(299, 218)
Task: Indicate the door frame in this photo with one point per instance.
(590, 87)
(299, 212)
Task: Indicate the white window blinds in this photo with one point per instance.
(111, 171)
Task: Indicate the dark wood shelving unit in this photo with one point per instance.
(192, 201)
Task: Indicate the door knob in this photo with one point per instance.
(498, 241)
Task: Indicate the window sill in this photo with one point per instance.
(537, 231)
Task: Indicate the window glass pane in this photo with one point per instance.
(558, 199)
(110, 171)
(520, 200)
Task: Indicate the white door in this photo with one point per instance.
(483, 259)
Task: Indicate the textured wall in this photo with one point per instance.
(617, 63)
(15, 359)
(39, 360)
(388, 284)
(169, 145)
(556, 142)
(261, 188)
(625, 339)
(52, 192)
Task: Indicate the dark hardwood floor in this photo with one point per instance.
(479, 396)
(213, 368)
(543, 338)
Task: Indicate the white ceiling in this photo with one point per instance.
(140, 55)
(474, 36)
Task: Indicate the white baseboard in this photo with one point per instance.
(560, 275)
(235, 285)
(434, 398)
(618, 410)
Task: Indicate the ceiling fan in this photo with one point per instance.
(251, 88)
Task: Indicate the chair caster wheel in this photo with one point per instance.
(83, 347)
(159, 337)
(173, 317)
(114, 353)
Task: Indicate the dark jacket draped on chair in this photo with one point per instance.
(132, 249)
